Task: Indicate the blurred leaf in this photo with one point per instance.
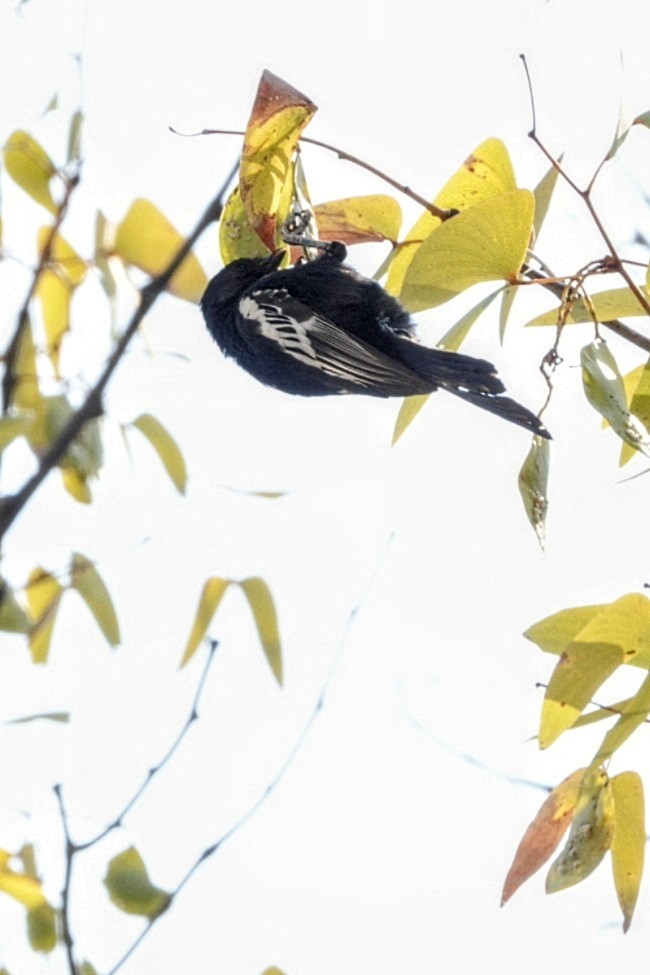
(60, 716)
(13, 618)
(605, 390)
(146, 239)
(12, 427)
(130, 888)
(629, 841)
(533, 485)
(41, 928)
(509, 295)
(76, 485)
(280, 113)
(544, 833)
(486, 243)
(456, 335)
(643, 119)
(211, 595)
(590, 837)
(23, 888)
(166, 448)
(408, 411)
(74, 136)
(85, 578)
(27, 857)
(64, 272)
(86, 969)
(43, 593)
(637, 392)
(359, 219)
(236, 236)
(261, 603)
(543, 193)
(487, 172)
(26, 394)
(30, 167)
(607, 305)
(623, 126)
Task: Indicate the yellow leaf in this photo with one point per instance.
(607, 305)
(408, 411)
(629, 841)
(13, 618)
(41, 928)
(359, 219)
(236, 236)
(590, 837)
(543, 193)
(211, 595)
(30, 167)
(64, 272)
(130, 888)
(43, 593)
(634, 712)
(554, 633)
(456, 335)
(26, 395)
(637, 392)
(544, 833)
(487, 172)
(23, 888)
(12, 427)
(261, 603)
(166, 448)
(146, 239)
(76, 485)
(85, 578)
(486, 243)
(605, 390)
(533, 485)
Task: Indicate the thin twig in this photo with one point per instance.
(66, 930)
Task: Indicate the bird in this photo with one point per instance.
(319, 328)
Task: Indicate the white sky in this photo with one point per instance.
(382, 850)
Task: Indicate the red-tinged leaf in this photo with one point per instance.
(544, 833)
(359, 219)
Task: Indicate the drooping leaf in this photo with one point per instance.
(637, 392)
(26, 393)
(590, 836)
(74, 136)
(280, 113)
(28, 164)
(43, 593)
(629, 841)
(147, 240)
(261, 603)
(64, 272)
(533, 485)
(211, 595)
(607, 306)
(41, 928)
(544, 833)
(507, 301)
(166, 448)
(85, 578)
(130, 888)
(543, 193)
(13, 618)
(634, 713)
(456, 335)
(359, 219)
(408, 411)
(487, 172)
(486, 243)
(605, 390)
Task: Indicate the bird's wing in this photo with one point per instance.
(317, 342)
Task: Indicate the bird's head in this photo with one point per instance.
(226, 286)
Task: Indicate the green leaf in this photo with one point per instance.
(606, 305)
(41, 928)
(629, 841)
(74, 136)
(533, 485)
(13, 618)
(605, 390)
(261, 603)
(130, 888)
(85, 578)
(456, 335)
(211, 595)
(590, 837)
(60, 716)
(12, 427)
(166, 448)
(30, 167)
(486, 243)
(543, 193)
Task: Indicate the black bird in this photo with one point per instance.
(319, 328)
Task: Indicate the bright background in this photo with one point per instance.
(385, 846)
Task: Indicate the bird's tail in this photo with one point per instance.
(505, 407)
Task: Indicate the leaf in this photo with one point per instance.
(634, 713)
(30, 167)
(606, 305)
(637, 392)
(130, 888)
(261, 603)
(85, 578)
(408, 411)
(74, 136)
(12, 427)
(544, 833)
(166, 448)
(533, 485)
(619, 633)
(605, 390)
(13, 618)
(543, 193)
(60, 716)
(509, 295)
(211, 595)
(280, 113)
(26, 394)
(486, 243)
(64, 272)
(456, 335)
(487, 172)
(147, 240)
(629, 841)
(41, 928)
(359, 219)
(43, 593)
(554, 633)
(23, 888)
(590, 836)
(237, 238)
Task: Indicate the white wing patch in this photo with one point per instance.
(291, 334)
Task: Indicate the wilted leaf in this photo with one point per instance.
(30, 167)
(146, 239)
(607, 306)
(43, 593)
(533, 485)
(359, 219)
(486, 243)
(629, 841)
(605, 390)
(130, 888)
(211, 595)
(261, 603)
(590, 837)
(280, 112)
(85, 578)
(166, 448)
(544, 833)
(41, 927)
(408, 411)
